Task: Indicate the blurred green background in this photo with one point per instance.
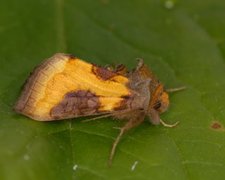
(182, 41)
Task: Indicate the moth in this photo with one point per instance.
(64, 87)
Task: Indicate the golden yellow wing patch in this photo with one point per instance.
(64, 87)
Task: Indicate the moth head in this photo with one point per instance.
(159, 99)
(162, 102)
(158, 104)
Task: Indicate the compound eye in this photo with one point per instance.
(157, 105)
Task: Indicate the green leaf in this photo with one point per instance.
(183, 42)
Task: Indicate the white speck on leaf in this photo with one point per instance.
(169, 4)
(75, 167)
(134, 166)
(26, 157)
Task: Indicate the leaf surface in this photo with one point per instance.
(183, 42)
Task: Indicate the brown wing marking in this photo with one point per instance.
(103, 73)
(76, 104)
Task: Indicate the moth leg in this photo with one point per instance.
(154, 116)
(120, 69)
(122, 131)
(175, 89)
(98, 117)
(129, 125)
(155, 119)
(168, 125)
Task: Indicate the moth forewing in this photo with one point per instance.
(66, 87)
